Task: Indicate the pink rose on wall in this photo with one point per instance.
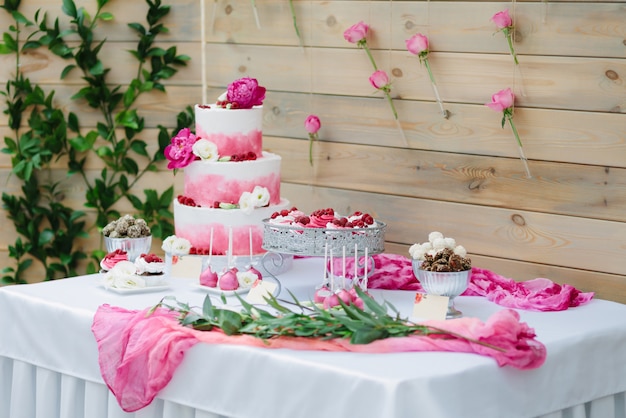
(503, 101)
(502, 20)
(180, 150)
(245, 93)
(380, 80)
(504, 23)
(356, 33)
(418, 45)
(312, 124)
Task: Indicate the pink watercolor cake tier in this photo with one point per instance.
(230, 184)
(231, 133)
(208, 182)
(197, 224)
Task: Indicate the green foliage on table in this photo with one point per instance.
(44, 133)
(360, 326)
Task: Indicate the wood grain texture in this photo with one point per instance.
(548, 135)
(503, 233)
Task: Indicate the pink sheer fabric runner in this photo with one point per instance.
(395, 272)
(138, 353)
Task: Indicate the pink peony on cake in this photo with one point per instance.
(230, 183)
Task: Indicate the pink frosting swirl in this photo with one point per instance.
(111, 259)
(320, 221)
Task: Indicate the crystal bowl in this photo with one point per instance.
(134, 247)
(450, 284)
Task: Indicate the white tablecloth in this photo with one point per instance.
(49, 365)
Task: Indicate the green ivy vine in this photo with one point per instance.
(43, 133)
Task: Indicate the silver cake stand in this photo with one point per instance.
(282, 240)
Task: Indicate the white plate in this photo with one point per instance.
(133, 290)
(217, 291)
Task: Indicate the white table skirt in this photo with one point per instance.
(29, 391)
(48, 365)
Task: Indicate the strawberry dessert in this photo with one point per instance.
(111, 259)
(149, 264)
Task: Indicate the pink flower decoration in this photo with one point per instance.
(180, 150)
(245, 93)
(417, 45)
(312, 124)
(356, 33)
(504, 23)
(379, 79)
(502, 100)
(502, 19)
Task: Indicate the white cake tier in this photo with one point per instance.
(234, 131)
(195, 224)
(209, 182)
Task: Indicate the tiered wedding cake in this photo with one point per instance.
(230, 183)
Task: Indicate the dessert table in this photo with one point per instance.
(49, 364)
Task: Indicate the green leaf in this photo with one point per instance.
(67, 70)
(156, 52)
(45, 237)
(130, 166)
(106, 16)
(9, 41)
(139, 147)
(127, 119)
(97, 69)
(129, 97)
(20, 18)
(138, 28)
(72, 122)
(5, 49)
(207, 307)
(367, 335)
(135, 201)
(229, 321)
(82, 144)
(69, 8)
(104, 151)
(31, 45)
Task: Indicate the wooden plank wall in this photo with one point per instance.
(460, 175)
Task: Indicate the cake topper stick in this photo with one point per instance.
(256, 14)
(325, 278)
(250, 238)
(211, 246)
(356, 264)
(230, 247)
(332, 274)
(203, 50)
(364, 285)
(343, 276)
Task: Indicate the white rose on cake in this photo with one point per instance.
(205, 150)
(176, 246)
(260, 196)
(246, 202)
